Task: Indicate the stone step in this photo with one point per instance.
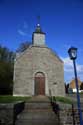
(37, 122)
(38, 105)
(38, 111)
(37, 115)
(39, 98)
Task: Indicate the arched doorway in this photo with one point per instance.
(39, 83)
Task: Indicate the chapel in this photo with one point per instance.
(38, 70)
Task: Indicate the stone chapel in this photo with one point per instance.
(38, 70)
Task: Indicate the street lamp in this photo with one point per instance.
(73, 55)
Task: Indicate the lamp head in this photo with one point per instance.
(72, 53)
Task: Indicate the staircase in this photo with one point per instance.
(37, 111)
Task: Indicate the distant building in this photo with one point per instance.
(72, 84)
(38, 70)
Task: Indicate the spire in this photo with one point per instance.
(38, 27)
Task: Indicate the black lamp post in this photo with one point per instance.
(73, 55)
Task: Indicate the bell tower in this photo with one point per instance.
(38, 37)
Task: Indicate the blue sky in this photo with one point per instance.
(61, 20)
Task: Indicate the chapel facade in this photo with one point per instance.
(38, 70)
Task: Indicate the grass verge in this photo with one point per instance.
(62, 99)
(10, 99)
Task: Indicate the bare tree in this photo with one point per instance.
(23, 46)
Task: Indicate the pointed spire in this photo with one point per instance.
(38, 20)
(38, 27)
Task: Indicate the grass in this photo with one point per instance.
(63, 99)
(10, 99)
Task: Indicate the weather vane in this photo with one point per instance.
(38, 20)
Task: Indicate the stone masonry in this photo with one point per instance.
(38, 59)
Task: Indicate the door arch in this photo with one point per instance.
(39, 83)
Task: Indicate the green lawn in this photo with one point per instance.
(63, 99)
(10, 99)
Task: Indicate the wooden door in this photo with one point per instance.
(39, 84)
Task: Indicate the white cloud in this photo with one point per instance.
(22, 33)
(24, 29)
(68, 65)
(79, 68)
(69, 69)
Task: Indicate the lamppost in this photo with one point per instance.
(73, 55)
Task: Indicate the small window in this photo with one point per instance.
(55, 83)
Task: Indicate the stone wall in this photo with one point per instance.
(6, 114)
(67, 115)
(9, 112)
(38, 59)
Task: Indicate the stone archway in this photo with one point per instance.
(39, 83)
